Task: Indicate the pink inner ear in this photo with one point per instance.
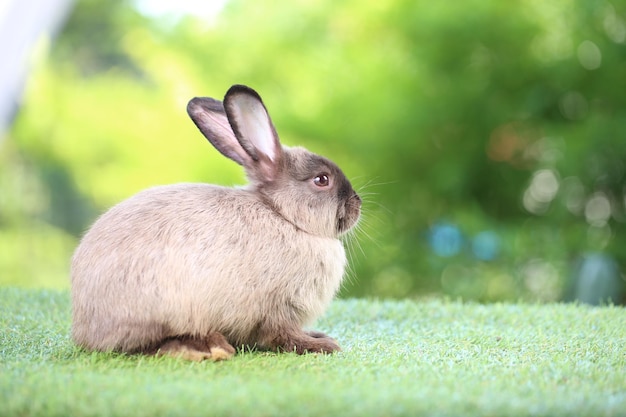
(255, 126)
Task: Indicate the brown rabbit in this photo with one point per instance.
(192, 270)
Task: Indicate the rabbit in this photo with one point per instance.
(195, 270)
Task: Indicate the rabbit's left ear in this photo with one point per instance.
(209, 116)
(254, 130)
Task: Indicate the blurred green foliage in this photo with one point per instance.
(486, 137)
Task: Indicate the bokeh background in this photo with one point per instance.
(488, 137)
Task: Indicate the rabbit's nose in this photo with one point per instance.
(355, 200)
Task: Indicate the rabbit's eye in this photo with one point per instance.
(321, 180)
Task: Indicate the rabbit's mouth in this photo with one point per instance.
(348, 214)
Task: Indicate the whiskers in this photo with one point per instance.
(373, 220)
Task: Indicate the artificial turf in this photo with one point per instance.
(412, 357)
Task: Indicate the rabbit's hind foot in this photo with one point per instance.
(213, 347)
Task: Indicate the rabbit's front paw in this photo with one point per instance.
(307, 342)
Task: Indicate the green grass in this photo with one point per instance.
(410, 358)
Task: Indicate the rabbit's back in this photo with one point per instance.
(195, 258)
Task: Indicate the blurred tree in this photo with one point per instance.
(92, 42)
(489, 129)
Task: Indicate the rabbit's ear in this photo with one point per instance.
(209, 116)
(254, 130)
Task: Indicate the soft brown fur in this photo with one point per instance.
(192, 270)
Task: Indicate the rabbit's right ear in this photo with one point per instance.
(254, 130)
(209, 116)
